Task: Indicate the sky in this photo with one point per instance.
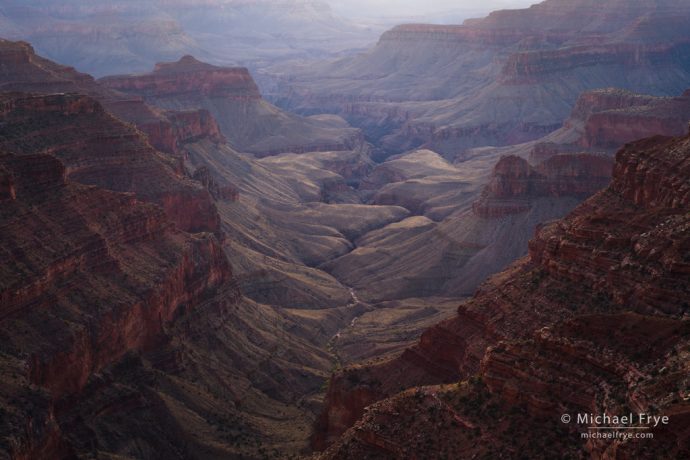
(398, 8)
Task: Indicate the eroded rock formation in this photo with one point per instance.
(515, 77)
(515, 182)
(25, 71)
(114, 282)
(98, 149)
(621, 257)
(109, 274)
(230, 94)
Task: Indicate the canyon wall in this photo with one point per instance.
(116, 279)
(106, 277)
(604, 119)
(620, 255)
(28, 72)
(230, 94)
(97, 149)
(514, 182)
(515, 75)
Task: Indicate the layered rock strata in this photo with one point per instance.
(230, 94)
(515, 183)
(620, 255)
(87, 276)
(25, 71)
(515, 77)
(98, 149)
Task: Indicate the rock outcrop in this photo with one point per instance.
(230, 94)
(25, 71)
(608, 118)
(534, 66)
(108, 275)
(120, 318)
(217, 191)
(620, 255)
(515, 182)
(170, 131)
(97, 149)
(189, 76)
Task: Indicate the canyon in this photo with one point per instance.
(131, 340)
(537, 340)
(122, 294)
(430, 249)
(505, 79)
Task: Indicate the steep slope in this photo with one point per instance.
(175, 132)
(508, 78)
(483, 208)
(275, 231)
(606, 119)
(108, 271)
(26, 71)
(250, 123)
(257, 359)
(281, 232)
(106, 311)
(437, 190)
(97, 149)
(122, 333)
(477, 233)
(609, 281)
(600, 122)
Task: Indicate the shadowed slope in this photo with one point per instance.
(624, 250)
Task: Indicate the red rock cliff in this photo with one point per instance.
(173, 129)
(609, 118)
(515, 182)
(97, 149)
(87, 275)
(189, 76)
(230, 94)
(622, 251)
(27, 72)
(532, 66)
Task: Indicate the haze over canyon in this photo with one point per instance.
(252, 229)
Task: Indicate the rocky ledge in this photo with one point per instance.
(515, 183)
(189, 75)
(98, 149)
(621, 255)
